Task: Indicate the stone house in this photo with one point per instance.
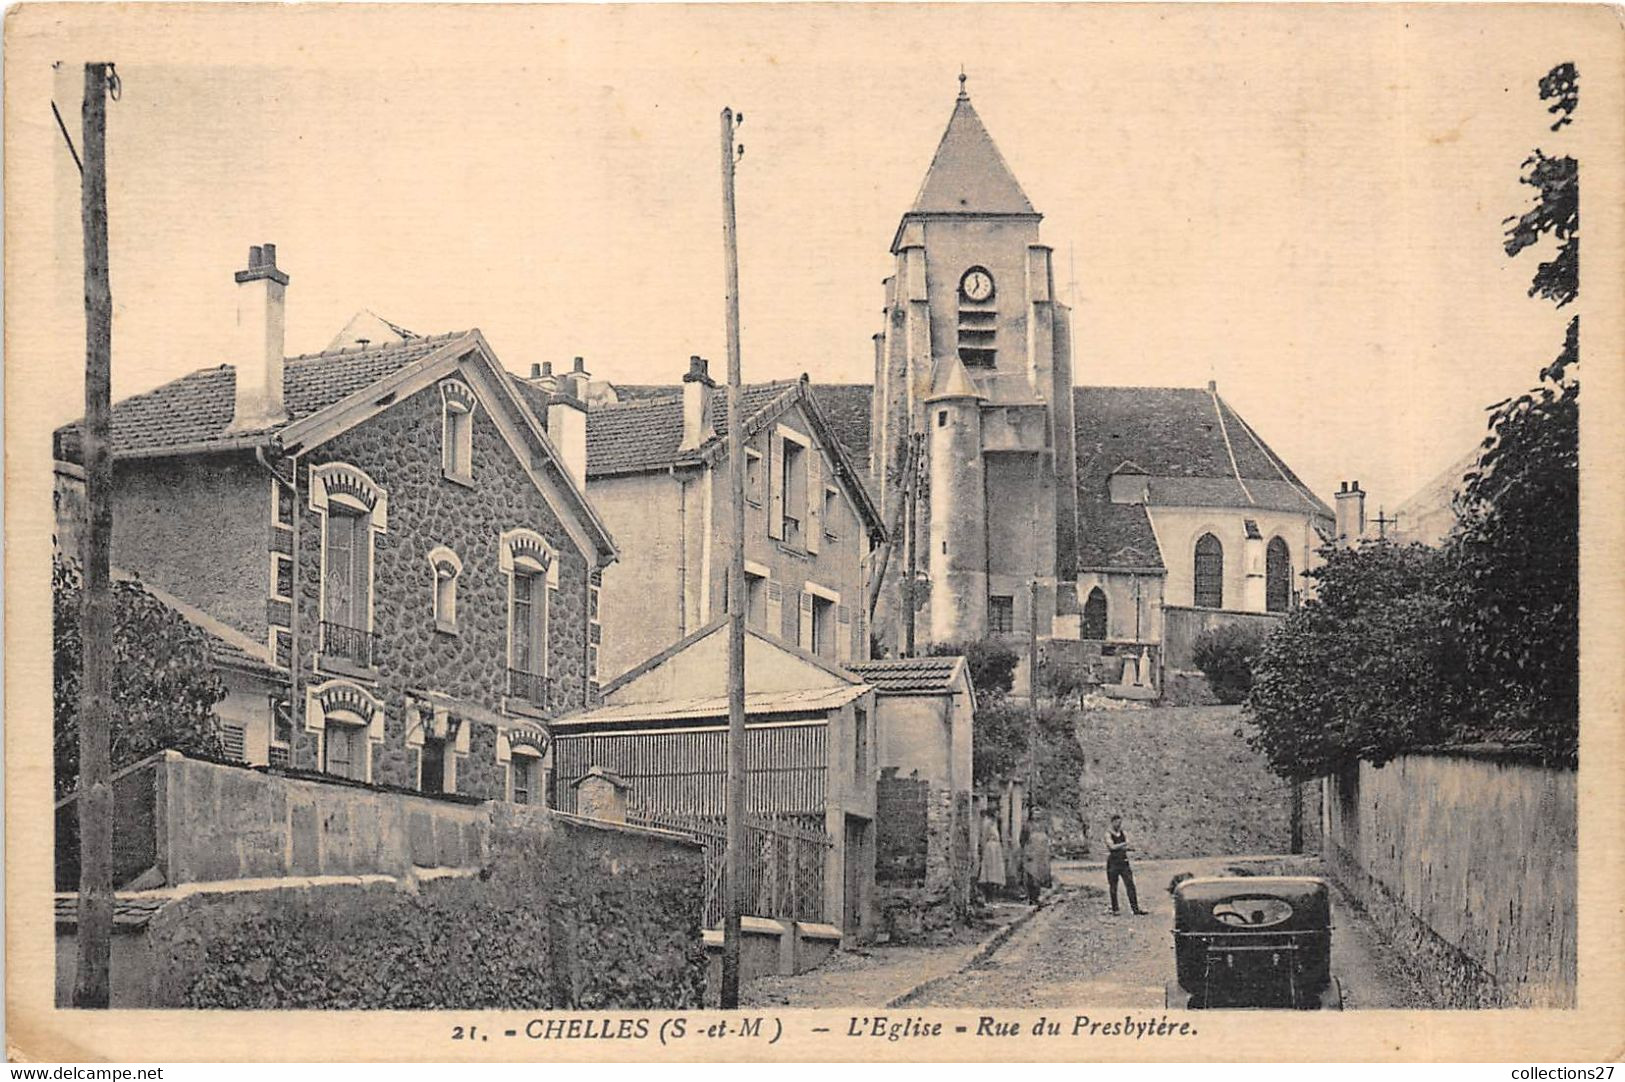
(925, 710)
(812, 757)
(397, 528)
(657, 472)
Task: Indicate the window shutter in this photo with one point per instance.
(775, 609)
(805, 638)
(361, 608)
(843, 634)
(775, 486)
(815, 498)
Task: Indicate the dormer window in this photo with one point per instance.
(457, 436)
(978, 318)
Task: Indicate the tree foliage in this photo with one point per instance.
(164, 684)
(1516, 553)
(1355, 672)
(1408, 647)
(1225, 656)
(1556, 208)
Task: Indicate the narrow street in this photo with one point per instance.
(1075, 951)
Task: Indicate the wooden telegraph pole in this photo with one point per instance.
(733, 866)
(95, 916)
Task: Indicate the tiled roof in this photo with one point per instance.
(195, 410)
(846, 406)
(227, 646)
(1174, 435)
(645, 432)
(906, 674)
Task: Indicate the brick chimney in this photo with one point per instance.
(578, 379)
(257, 352)
(697, 388)
(1350, 513)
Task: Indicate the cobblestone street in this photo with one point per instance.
(1074, 951)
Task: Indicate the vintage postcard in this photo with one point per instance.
(813, 532)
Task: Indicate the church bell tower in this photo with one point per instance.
(975, 358)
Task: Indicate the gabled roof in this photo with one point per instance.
(643, 433)
(910, 675)
(846, 407)
(968, 175)
(367, 327)
(192, 413)
(646, 432)
(227, 646)
(1195, 450)
(321, 391)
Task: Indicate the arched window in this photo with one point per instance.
(446, 567)
(1094, 615)
(1209, 572)
(1277, 576)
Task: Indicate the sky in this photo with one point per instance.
(1303, 204)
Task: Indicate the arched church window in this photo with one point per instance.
(1277, 576)
(1094, 615)
(978, 318)
(1209, 572)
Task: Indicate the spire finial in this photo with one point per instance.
(962, 95)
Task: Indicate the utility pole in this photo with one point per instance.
(95, 916)
(1032, 698)
(733, 861)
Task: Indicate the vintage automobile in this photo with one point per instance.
(1253, 941)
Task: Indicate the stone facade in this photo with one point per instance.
(672, 581)
(400, 450)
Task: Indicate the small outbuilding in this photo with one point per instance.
(924, 714)
(662, 731)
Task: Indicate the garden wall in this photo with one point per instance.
(519, 907)
(1469, 864)
(180, 820)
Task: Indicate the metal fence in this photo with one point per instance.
(783, 861)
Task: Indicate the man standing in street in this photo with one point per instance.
(1117, 850)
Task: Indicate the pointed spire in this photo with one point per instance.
(968, 175)
(949, 379)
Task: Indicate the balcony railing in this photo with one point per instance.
(529, 686)
(350, 643)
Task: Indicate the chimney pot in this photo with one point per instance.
(254, 256)
(580, 365)
(535, 370)
(547, 368)
(1212, 385)
(268, 252)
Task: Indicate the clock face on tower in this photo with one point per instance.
(977, 284)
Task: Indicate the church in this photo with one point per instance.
(1021, 504)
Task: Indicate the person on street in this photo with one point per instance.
(992, 874)
(1117, 867)
(1035, 858)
